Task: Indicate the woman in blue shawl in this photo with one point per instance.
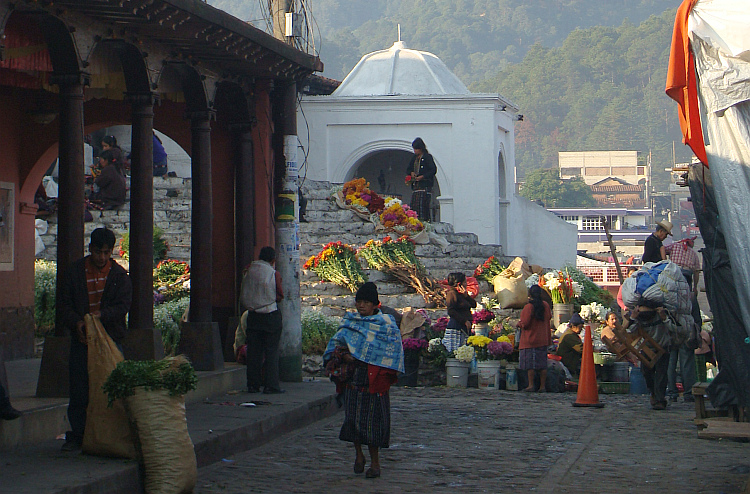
(364, 358)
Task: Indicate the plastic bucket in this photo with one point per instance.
(620, 372)
(482, 328)
(511, 378)
(561, 313)
(488, 372)
(456, 373)
(637, 382)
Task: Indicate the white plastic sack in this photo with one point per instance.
(40, 228)
(50, 187)
(670, 290)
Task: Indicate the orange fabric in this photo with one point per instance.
(95, 282)
(682, 83)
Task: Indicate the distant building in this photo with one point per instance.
(595, 166)
(616, 192)
(629, 228)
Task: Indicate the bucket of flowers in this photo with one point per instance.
(481, 319)
(437, 354)
(338, 263)
(499, 352)
(457, 366)
(563, 290)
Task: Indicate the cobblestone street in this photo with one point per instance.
(451, 440)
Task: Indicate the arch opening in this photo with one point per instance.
(385, 170)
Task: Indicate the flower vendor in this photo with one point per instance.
(420, 175)
(570, 348)
(535, 338)
(363, 358)
(459, 305)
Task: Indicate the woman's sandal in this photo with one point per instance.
(372, 473)
(359, 467)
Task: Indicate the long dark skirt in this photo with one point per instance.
(367, 417)
(420, 202)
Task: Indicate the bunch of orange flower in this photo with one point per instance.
(388, 253)
(489, 269)
(357, 193)
(338, 263)
(400, 217)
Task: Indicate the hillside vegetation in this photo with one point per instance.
(586, 74)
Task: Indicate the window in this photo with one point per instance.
(570, 172)
(641, 170)
(590, 223)
(570, 219)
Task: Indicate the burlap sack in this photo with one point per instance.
(107, 430)
(410, 322)
(165, 446)
(511, 293)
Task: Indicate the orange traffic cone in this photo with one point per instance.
(588, 391)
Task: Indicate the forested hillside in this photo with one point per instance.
(587, 74)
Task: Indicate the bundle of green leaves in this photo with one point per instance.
(160, 245)
(166, 320)
(317, 330)
(174, 374)
(590, 292)
(45, 282)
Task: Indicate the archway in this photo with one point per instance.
(503, 203)
(385, 170)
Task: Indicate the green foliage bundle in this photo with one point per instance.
(45, 282)
(590, 291)
(388, 254)
(166, 320)
(317, 330)
(488, 270)
(546, 185)
(175, 374)
(170, 276)
(338, 263)
(160, 245)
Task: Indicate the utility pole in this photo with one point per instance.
(279, 9)
(287, 216)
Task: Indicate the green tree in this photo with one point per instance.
(546, 186)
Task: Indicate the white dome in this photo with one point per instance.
(400, 71)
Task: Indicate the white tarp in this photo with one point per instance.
(720, 38)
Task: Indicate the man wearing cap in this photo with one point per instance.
(571, 347)
(653, 249)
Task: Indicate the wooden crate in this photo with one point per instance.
(639, 343)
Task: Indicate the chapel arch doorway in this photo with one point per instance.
(385, 170)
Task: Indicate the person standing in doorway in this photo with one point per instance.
(261, 322)
(94, 285)
(421, 177)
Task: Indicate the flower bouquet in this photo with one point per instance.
(490, 303)
(398, 259)
(338, 263)
(357, 193)
(498, 350)
(561, 287)
(464, 353)
(483, 316)
(414, 345)
(437, 330)
(437, 353)
(489, 269)
(479, 343)
(593, 312)
(400, 217)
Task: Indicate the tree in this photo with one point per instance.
(546, 186)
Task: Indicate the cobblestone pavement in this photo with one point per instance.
(451, 440)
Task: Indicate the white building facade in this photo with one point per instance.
(365, 129)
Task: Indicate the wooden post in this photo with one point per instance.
(612, 249)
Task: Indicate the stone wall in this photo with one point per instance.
(172, 211)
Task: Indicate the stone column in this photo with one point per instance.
(53, 375)
(200, 337)
(287, 246)
(142, 342)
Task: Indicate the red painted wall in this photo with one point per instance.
(263, 155)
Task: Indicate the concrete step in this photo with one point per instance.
(324, 288)
(44, 419)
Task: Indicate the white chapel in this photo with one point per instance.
(365, 129)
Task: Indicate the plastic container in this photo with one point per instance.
(511, 378)
(489, 374)
(456, 373)
(561, 313)
(620, 372)
(637, 382)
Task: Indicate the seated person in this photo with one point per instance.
(571, 347)
(111, 181)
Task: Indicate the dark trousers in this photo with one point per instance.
(656, 378)
(263, 337)
(4, 401)
(79, 389)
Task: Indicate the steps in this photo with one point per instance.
(326, 222)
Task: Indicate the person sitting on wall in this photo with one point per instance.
(111, 181)
(94, 285)
(570, 348)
